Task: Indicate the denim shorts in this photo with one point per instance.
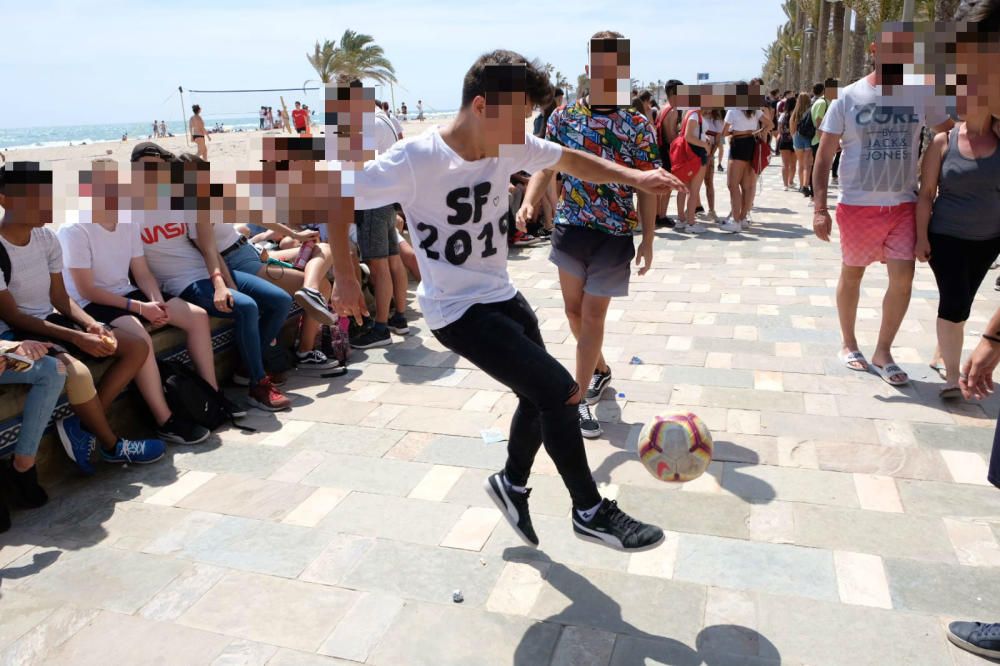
(244, 259)
(799, 142)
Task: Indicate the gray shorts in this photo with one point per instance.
(377, 233)
(603, 261)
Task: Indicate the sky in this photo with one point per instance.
(75, 63)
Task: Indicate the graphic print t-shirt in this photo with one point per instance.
(880, 139)
(174, 260)
(458, 214)
(624, 136)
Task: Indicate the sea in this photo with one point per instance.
(74, 135)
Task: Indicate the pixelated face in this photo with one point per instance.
(720, 95)
(894, 53)
(28, 200)
(977, 69)
(102, 185)
(610, 78)
(503, 120)
(350, 123)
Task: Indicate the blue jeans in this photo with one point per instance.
(46, 379)
(259, 310)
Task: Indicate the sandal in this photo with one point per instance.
(939, 369)
(853, 357)
(950, 392)
(888, 372)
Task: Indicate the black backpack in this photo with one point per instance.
(5, 267)
(191, 397)
(806, 127)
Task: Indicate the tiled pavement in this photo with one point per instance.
(842, 522)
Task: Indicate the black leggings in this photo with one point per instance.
(503, 340)
(959, 267)
(994, 473)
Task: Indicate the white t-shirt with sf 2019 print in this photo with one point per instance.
(458, 215)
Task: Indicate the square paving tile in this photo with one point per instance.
(354, 440)
(931, 587)
(374, 475)
(399, 518)
(465, 452)
(137, 641)
(432, 635)
(281, 612)
(746, 565)
(762, 483)
(108, 578)
(245, 544)
(932, 498)
(246, 496)
(254, 460)
(425, 573)
(698, 513)
(621, 603)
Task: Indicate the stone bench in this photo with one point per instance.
(129, 415)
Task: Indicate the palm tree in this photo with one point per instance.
(322, 60)
(944, 10)
(821, 66)
(359, 57)
(835, 49)
(561, 81)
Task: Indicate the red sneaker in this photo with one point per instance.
(265, 396)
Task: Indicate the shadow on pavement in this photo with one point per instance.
(719, 645)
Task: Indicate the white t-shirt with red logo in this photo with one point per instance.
(172, 257)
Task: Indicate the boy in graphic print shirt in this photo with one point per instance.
(452, 184)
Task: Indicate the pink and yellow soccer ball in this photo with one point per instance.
(675, 447)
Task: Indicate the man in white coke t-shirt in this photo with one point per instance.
(452, 184)
(878, 120)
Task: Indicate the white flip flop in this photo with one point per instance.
(853, 357)
(888, 371)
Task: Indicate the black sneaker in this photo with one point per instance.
(315, 306)
(234, 410)
(397, 324)
(182, 431)
(590, 427)
(513, 505)
(376, 336)
(598, 383)
(976, 637)
(996, 285)
(4, 516)
(699, 209)
(667, 222)
(315, 360)
(720, 169)
(25, 485)
(614, 528)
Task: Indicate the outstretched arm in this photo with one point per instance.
(593, 169)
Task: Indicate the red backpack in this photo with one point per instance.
(684, 163)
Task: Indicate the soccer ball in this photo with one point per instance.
(676, 447)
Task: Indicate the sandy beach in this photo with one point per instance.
(227, 150)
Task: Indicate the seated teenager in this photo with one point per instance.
(242, 265)
(99, 255)
(34, 305)
(45, 378)
(196, 276)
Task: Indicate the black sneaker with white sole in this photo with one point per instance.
(316, 360)
(614, 528)
(976, 637)
(376, 336)
(590, 427)
(315, 306)
(598, 383)
(182, 431)
(513, 505)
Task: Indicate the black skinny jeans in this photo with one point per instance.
(503, 340)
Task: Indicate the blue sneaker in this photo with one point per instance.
(79, 443)
(139, 451)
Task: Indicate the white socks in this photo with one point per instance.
(588, 515)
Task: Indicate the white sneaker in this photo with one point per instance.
(712, 216)
(730, 226)
(744, 224)
(697, 228)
